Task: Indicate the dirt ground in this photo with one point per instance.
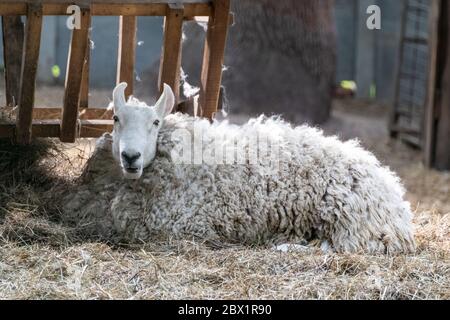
(42, 258)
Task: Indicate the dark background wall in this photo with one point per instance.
(370, 57)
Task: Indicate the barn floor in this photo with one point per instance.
(41, 258)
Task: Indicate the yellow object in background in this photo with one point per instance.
(56, 71)
(348, 84)
(373, 91)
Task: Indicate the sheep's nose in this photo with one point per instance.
(130, 158)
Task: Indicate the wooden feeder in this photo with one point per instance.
(75, 118)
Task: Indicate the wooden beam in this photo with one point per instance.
(95, 128)
(170, 62)
(13, 33)
(112, 8)
(108, 2)
(84, 91)
(96, 114)
(46, 129)
(28, 72)
(92, 113)
(430, 110)
(47, 113)
(84, 114)
(74, 74)
(127, 52)
(213, 53)
(52, 128)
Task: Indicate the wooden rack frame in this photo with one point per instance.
(75, 118)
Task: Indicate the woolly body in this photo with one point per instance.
(323, 189)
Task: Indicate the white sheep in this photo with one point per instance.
(296, 187)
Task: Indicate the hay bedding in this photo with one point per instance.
(42, 257)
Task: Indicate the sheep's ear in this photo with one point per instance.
(165, 103)
(119, 95)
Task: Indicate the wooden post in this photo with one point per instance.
(213, 53)
(84, 93)
(74, 74)
(442, 145)
(170, 62)
(12, 54)
(430, 110)
(127, 52)
(28, 72)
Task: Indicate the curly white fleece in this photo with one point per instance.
(325, 189)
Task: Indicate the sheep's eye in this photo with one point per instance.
(116, 118)
(156, 122)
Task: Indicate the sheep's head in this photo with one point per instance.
(136, 128)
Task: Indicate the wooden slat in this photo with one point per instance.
(430, 120)
(13, 33)
(96, 114)
(127, 52)
(74, 73)
(84, 91)
(95, 128)
(170, 62)
(130, 8)
(28, 72)
(442, 145)
(52, 128)
(85, 114)
(54, 113)
(213, 53)
(39, 129)
(47, 113)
